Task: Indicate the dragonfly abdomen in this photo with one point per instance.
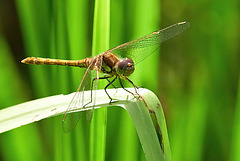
(47, 61)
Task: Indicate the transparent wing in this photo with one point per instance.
(70, 119)
(96, 71)
(143, 47)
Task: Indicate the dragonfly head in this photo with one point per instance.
(125, 67)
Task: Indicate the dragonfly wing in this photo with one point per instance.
(143, 47)
(89, 113)
(95, 72)
(70, 118)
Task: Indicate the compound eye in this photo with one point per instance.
(125, 67)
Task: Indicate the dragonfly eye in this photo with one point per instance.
(125, 67)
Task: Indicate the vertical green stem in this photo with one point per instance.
(101, 29)
(236, 130)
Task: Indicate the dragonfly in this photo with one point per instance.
(117, 63)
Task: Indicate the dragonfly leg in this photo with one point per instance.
(135, 87)
(92, 88)
(110, 83)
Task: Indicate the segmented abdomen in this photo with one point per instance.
(47, 61)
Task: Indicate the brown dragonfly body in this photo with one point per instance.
(107, 61)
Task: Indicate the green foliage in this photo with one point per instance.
(196, 76)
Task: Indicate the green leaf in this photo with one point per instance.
(147, 116)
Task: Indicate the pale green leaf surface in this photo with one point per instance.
(139, 111)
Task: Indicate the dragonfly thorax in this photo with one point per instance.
(125, 67)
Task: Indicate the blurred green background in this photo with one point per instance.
(195, 75)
